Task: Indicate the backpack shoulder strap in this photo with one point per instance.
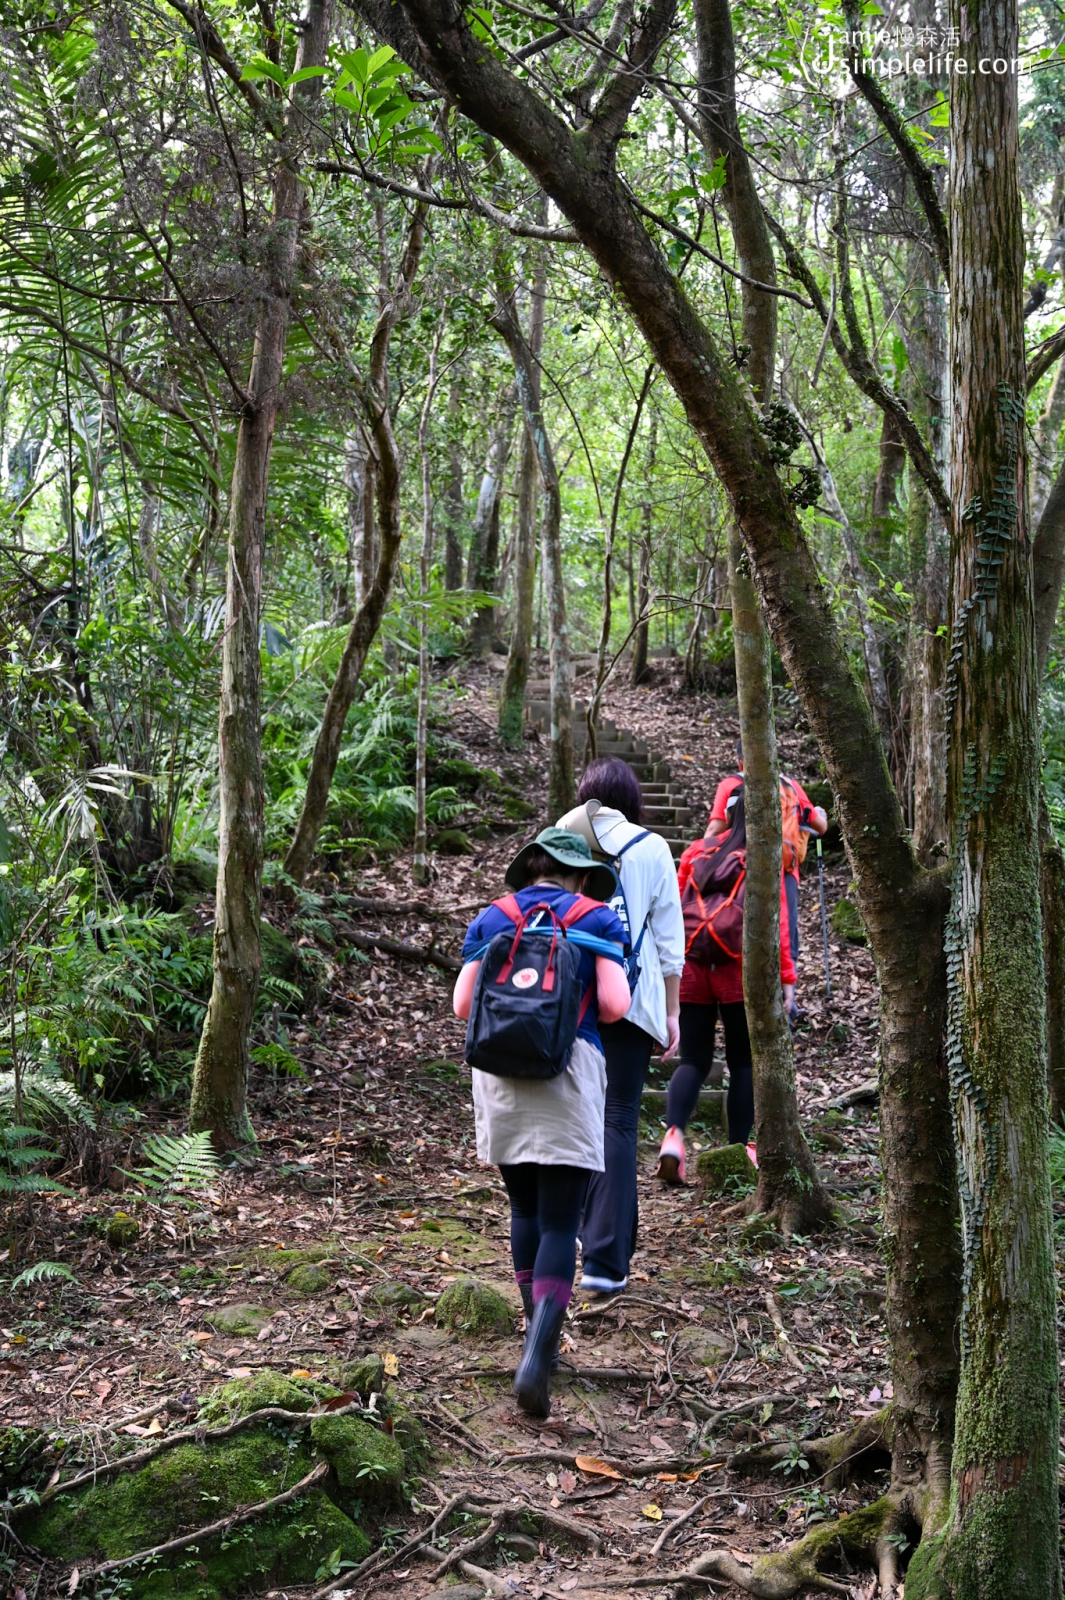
(645, 833)
(509, 907)
(580, 908)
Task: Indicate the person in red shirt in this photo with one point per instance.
(810, 816)
(706, 992)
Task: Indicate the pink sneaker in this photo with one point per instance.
(671, 1165)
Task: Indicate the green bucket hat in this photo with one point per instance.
(570, 851)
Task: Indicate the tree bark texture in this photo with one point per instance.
(891, 465)
(420, 863)
(220, 1075)
(1052, 906)
(484, 540)
(1001, 1534)
(367, 619)
(1047, 434)
(561, 783)
(640, 638)
(516, 675)
(577, 172)
(789, 1188)
(452, 497)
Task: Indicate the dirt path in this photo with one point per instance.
(720, 1341)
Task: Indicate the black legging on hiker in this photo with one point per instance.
(697, 1027)
(545, 1213)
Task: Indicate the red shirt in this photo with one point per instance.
(728, 786)
(723, 984)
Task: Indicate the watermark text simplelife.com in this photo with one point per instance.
(926, 52)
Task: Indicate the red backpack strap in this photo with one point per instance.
(580, 908)
(509, 907)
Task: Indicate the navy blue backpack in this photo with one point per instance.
(527, 1002)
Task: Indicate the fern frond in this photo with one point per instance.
(40, 1271)
(46, 1098)
(178, 1164)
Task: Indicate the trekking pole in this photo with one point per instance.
(824, 919)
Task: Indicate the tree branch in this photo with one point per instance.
(608, 120)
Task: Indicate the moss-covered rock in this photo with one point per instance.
(392, 1295)
(308, 1279)
(278, 956)
(363, 1377)
(468, 1306)
(245, 1395)
(847, 923)
(453, 842)
(367, 1463)
(121, 1230)
(189, 1487)
(241, 1321)
(728, 1169)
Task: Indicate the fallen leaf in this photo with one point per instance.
(601, 1469)
(741, 1555)
(570, 1583)
(17, 1367)
(239, 1372)
(201, 1337)
(653, 1513)
(874, 1395)
(567, 1482)
(340, 1401)
(299, 1372)
(555, 1501)
(152, 1431)
(666, 1477)
(73, 1583)
(102, 1388)
(391, 1364)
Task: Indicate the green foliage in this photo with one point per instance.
(41, 1272)
(178, 1164)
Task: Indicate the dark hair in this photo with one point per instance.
(736, 837)
(538, 864)
(739, 751)
(612, 781)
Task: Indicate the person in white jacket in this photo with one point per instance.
(648, 904)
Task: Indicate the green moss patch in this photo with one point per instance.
(392, 1295)
(367, 1463)
(847, 923)
(469, 1306)
(268, 1388)
(308, 1279)
(453, 842)
(363, 1377)
(241, 1321)
(726, 1170)
(121, 1230)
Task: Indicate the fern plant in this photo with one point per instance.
(40, 1271)
(178, 1164)
(21, 1152)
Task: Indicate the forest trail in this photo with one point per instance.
(367, 1174)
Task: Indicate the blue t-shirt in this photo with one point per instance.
(602, 922)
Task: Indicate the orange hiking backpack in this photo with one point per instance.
(712, 904)
(793, 839)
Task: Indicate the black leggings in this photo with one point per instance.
(545, 1214)
(697, 1025)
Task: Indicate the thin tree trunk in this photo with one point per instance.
(452, 496)
(1052, 906)
(638, 670)
(1047, 433)
(891, 465)
(484, 543)
(358, 480)
(420, 866)
(1001, 1534)
(516, 675)
(789, 1188)
(561, 785)
(220, 1075)
(368, 618)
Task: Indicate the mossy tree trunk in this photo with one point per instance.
(367, 620)
(420, 863)
(516, 674)
(561, 785)
(640, 638)
(789, 1188)
(484, 541)
(1001, 1534)
(220, 1074)
(452, 496)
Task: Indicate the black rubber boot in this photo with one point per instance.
(532, 1385)
(525, 1290)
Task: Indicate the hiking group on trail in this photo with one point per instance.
(603, 951)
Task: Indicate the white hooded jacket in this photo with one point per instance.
(649, 883)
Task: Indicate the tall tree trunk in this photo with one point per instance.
(561, 784)
(368, 618)
(452, 495)
(789, 1188)
(1047, 433)
(516, 675)
(484, 541)
(1052, 907)
(1001, 1534)
(638, 670)
(420, 866)
(220, 1075)
(362, 539)
(891, 464)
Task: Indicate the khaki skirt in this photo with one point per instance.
(555, 1122)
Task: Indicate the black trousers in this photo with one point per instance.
(611, 1214)
(697, 1027)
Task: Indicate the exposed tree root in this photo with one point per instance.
(828, 1456)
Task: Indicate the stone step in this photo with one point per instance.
(664, 816)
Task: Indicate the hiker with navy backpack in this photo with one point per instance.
(542, 966)
(648, 903)
(712, 875)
